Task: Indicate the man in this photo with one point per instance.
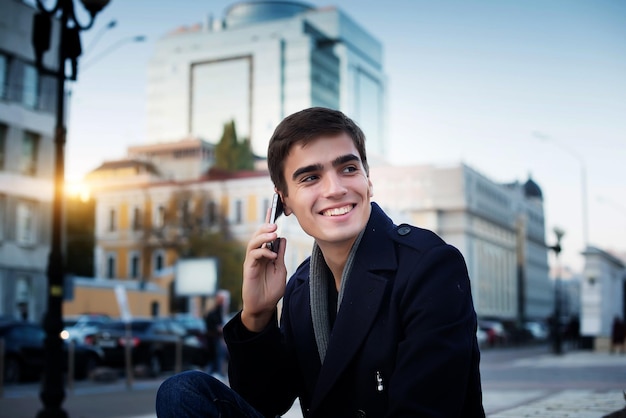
(379, 321)
(213, 322)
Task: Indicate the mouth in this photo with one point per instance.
(337, 211)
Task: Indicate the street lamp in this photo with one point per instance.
(52, 392)
(90, 62)
(556, 319)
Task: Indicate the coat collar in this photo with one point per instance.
(361, 301)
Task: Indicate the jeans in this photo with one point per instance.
(197, 394)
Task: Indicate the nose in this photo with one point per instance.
(333, 185)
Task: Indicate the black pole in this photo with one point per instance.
(557, 346)
(53, 391)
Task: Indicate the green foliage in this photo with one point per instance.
(189, 231)
(231, 154)
(230, 255)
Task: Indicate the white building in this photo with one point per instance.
(262, 62)
(603, 296)
(27, 120)
(499, 228)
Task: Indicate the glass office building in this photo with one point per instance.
(261, 62)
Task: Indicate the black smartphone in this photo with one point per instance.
(275, 212)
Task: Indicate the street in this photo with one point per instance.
(517, 382)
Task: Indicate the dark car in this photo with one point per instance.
(153, 342)
(24, 353)
(82, 327)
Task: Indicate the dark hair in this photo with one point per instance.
(303, 127)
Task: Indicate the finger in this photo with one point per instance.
(265, 233)
(282, 246)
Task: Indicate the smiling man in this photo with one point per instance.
(378, 321)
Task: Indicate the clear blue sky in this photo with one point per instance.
(480, 82)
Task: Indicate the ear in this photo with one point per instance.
(286, 210)
(370, 188)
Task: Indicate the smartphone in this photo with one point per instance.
(275, 212)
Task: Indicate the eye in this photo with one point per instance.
(308, 179)
(350, 169)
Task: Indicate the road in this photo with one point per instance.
(527, 381)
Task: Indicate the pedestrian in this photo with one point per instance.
(618, 334)
(214, 321)
(378, 321)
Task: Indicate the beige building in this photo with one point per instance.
(141, 216)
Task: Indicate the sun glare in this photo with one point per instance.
(78, 190)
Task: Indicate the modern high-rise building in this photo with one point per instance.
(263, 61)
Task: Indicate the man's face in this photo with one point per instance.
(328, 189)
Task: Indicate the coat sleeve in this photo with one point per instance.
(260, 367)
(437, 368)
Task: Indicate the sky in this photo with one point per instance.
(511, 88)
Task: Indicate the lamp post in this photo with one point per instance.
(556, 319)
(52, 391)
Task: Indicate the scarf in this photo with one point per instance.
(319, 279)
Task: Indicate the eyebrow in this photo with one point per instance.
(318, 167)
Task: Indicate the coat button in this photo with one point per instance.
(404, 230)
(360, 414)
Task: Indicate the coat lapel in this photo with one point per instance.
(361, 302)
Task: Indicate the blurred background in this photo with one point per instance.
(499, 125)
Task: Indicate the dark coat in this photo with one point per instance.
(403, 344)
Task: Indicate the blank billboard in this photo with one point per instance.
(196, 277)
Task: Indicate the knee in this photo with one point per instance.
(181, 382)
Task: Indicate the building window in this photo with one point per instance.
(25, 223)
(3, 141)
(22, 297)
(30, 88)
(238, 212)
(4, 68)
(159, 261)
(28, 158)
(211, 213)
(112, 220)
(136, 219)
(184, 214)
(266, 206)
(110, 267)
(159, 217)
(134, 266)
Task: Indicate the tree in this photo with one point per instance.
(193, 227)
(232, 154)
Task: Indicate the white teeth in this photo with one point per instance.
(337, 211)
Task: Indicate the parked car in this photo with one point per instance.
(496, 333)
(481, 337)
(538, 330)
(194, 325)
(81, 328)
(24, 353)
(154, 343)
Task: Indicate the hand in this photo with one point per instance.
(264, 278)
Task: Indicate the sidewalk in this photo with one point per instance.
(93, 400)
